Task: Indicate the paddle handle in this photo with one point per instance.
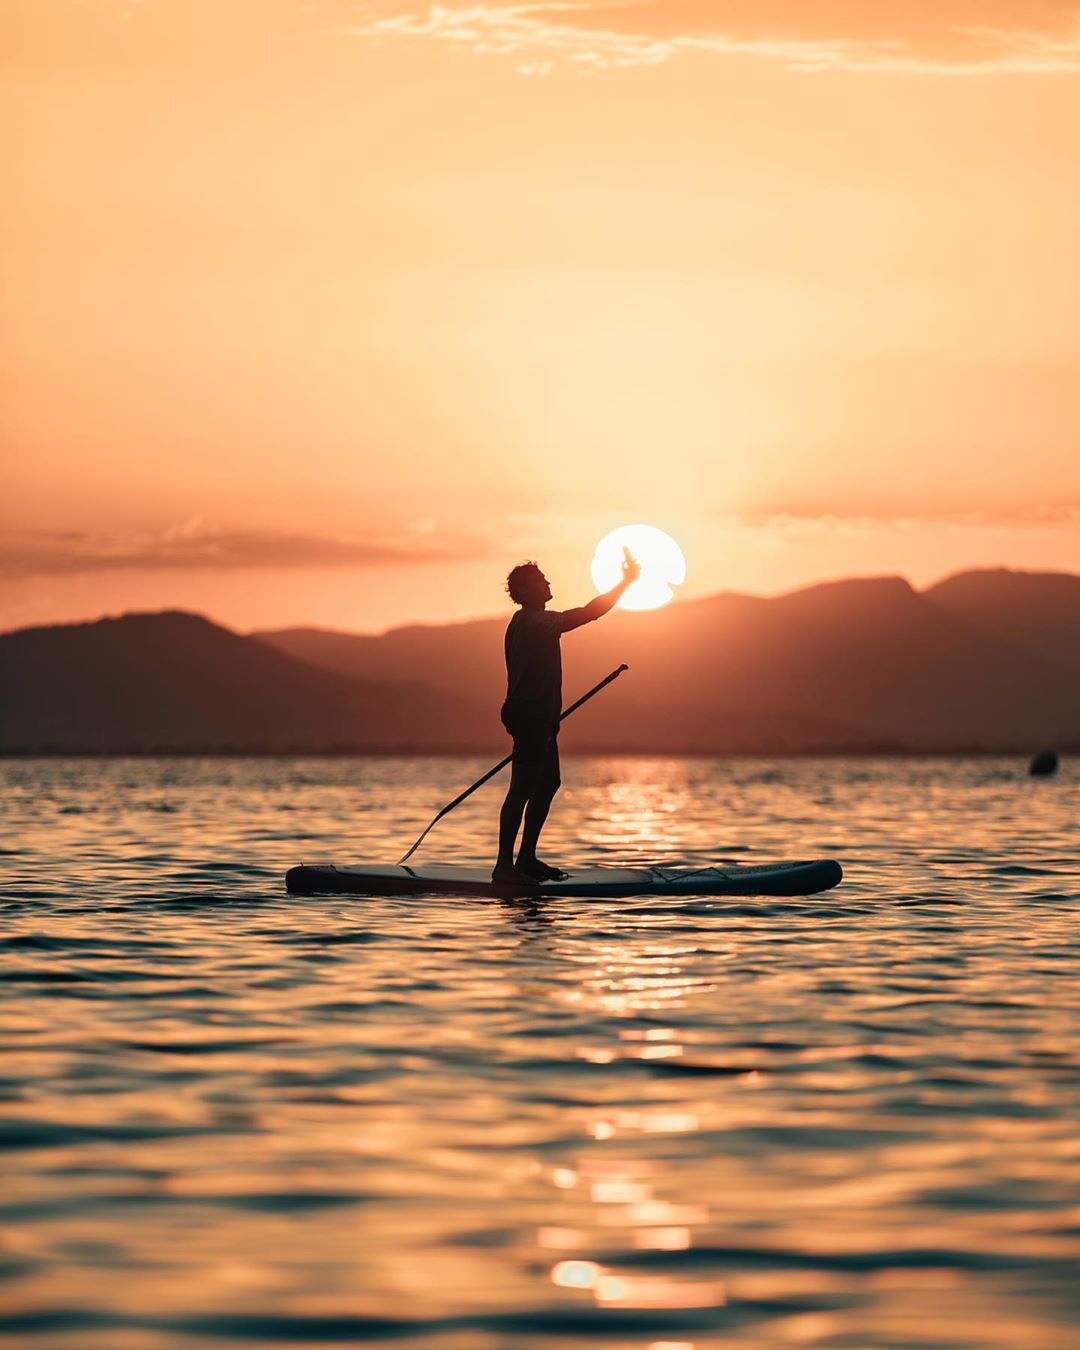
(504, 762)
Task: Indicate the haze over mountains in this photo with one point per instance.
(983, 661)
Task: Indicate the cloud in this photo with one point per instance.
(811, 519)
(196, 546)
(923, 37)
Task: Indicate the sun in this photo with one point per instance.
(662, 565)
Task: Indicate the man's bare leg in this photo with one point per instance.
(536, 813)
(513, 808)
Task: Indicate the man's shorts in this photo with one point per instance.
(534, 765)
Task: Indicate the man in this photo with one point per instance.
(531, 712)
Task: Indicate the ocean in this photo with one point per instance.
(233, 1118)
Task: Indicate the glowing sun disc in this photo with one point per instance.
(662, 565)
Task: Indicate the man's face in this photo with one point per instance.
(539, 587)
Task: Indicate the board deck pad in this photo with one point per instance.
(779, 878)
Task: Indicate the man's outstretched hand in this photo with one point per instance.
(603, 604)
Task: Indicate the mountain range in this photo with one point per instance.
(177, 683)
(983, 661)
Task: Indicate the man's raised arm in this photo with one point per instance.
(597, 608)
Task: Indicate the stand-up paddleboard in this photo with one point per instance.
(782, 878)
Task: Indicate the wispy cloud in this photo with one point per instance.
(198, 546)
(809, 518)
(937, 37)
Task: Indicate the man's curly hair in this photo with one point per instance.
(516, 577)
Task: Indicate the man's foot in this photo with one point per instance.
(506, 874)
(536, 870)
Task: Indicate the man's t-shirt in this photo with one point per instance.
(533, 669)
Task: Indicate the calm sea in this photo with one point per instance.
(231, 1118)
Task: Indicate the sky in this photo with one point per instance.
(319, 311)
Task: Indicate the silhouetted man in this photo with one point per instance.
(531, 712)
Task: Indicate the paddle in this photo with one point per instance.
(504, 762)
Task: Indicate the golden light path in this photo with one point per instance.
(662, 565)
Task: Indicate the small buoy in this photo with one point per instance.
(1043, 764)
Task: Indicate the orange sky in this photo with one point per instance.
(331, 311)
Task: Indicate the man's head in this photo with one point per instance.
(527, 585)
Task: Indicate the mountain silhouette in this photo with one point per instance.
(984, 661)
(175, 682)
(865, 663)
(1038, 612)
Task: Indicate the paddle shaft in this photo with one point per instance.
(504, 762)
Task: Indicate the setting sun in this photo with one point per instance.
(662, 565)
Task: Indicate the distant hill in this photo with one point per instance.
(1038, 612)
(985, 661)
(175, 682)
(866, 663)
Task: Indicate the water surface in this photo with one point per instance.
(233, 1118)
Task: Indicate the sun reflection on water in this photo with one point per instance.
(622, 1190)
